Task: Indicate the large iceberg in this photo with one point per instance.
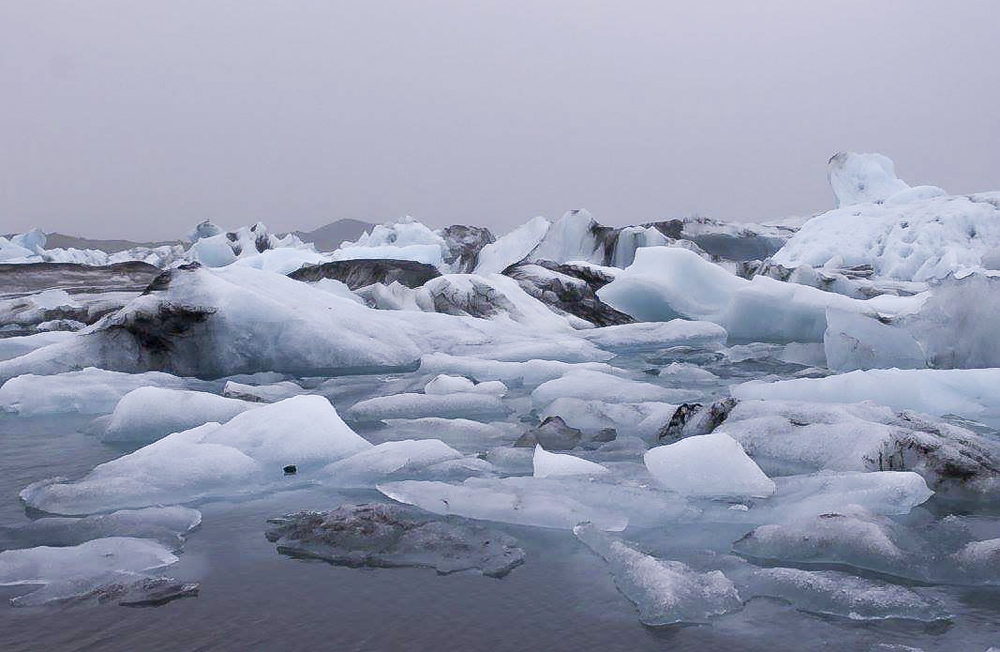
(242, 457)
(665, 283)
(903, 233)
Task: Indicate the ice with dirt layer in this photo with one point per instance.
(407, 459)
(234, 320)
(243, 457)
(493, 297)
(628, 419)
(660, 335)
(149, 413)
(513, 247)
(968, 393)
(666, 283)
(269, 393)
(840, 594)
(792, 437)
(88, 391)
(665, 592)
(46, 564)
(167, 525)
(389, 536)
(443, 384)
(458, 405)
(914, 234)
(124, 588)
(599, 386)
(713, 465)
(548, 465)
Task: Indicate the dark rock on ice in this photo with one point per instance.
(362, 272)
(387, 536)
(290, 469)
(696, 419)
(464, 244)
(566, 291)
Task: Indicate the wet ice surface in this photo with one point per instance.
(562, 596)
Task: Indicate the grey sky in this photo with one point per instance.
(138, 119)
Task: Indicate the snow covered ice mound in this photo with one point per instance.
(388, 536)
(909, 234)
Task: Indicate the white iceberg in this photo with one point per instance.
(713, 465)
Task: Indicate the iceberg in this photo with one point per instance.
(149, 413)
(243, 457)
(713, 465)
(392, 536)
(665, 592)
(547, 465)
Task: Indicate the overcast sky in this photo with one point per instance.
(138, 119)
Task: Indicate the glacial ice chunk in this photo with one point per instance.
(457, 405)
(509, 501)
(665, 592)
(445, 384)
(547, 465)
(863, 178)
(167, 525)
(407, 458)
(390, 536)
(44, 564)
(712, 465)
(149, 413)
(840, 594)
(595, 385)
(88, 391)
(243, 457)
(964, 392)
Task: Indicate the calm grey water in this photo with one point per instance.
(562, 598)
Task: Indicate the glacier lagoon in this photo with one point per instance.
(684, 435)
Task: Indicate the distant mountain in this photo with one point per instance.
(61, 240)
(329, 237)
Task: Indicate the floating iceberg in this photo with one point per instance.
(665, 592)
(547, 465)
(713, 465)
(903, 233)
(149, 413)
(388, 536)
(243, 457)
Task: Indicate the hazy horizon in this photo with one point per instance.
(138, 120)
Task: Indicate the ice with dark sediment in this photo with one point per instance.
(388, 536)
